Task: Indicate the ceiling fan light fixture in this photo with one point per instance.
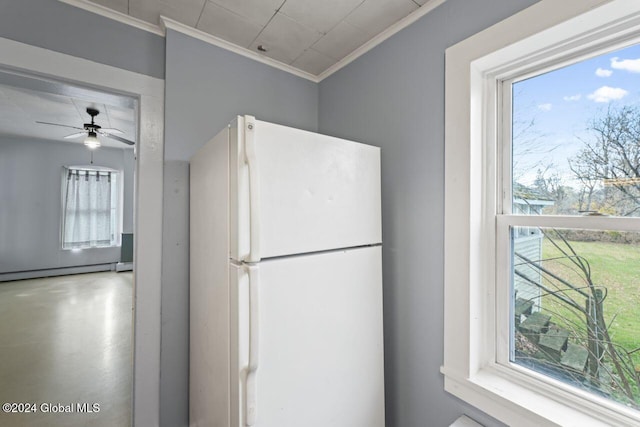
(91, 131)
(92, 141)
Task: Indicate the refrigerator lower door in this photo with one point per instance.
(314, 345)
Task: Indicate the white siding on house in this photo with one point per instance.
(531, 248)
(527, 241)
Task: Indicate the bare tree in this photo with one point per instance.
(550, 183)
(609, 163)
(587, 170)
(530, 148)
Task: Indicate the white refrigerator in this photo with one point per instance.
(285, 280)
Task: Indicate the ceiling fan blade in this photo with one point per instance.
(75, 135)
(58, 124)
(111, 131)
(117, 138)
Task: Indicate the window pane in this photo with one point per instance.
(575, 134)
(575, 298)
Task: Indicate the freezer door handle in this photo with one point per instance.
(251, 387)
(254, 188)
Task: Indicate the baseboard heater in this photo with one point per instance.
(51, 272)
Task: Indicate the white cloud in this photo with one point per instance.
(606, 94)
(631, 65)
(545, 107)
(601, 72)
(573, 97)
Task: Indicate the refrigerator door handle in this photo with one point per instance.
(254, 188)
(251, 386)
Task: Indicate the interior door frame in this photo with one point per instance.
(149, 92)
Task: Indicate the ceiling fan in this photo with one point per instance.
(91, 131)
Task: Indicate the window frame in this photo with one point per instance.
(541, 37)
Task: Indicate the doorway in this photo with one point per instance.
(67, 173)
(149, 93)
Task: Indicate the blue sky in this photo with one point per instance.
(561, 104)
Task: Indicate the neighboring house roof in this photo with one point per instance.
(530, 196)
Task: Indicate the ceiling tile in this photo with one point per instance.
(319, 15)
(9, 111)
(108, 117)
(121, 114)
(285, 39)
(374, 16)
(81, 107)
(119, 5)
(300, 32)
(341, 41)
(227, 25)
(21, 108)
(185, 11)
(39, 106)
(257, 11)
(123, 120)
(313, 62)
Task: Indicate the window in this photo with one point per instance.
(530, 337)
(91, 208)
(574, 150)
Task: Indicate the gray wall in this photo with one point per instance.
(206, 87)
(31, 210)
(57, 26)
(393, 97)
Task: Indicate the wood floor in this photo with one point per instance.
(64, 342)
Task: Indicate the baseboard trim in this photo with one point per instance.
(51, 272)
(124, 266)
(465, 421)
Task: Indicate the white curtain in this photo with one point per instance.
(88, 209)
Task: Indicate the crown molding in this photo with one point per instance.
(168, 23)
(115, 15)
(395, 28)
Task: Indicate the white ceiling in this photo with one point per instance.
(310, 35)
(25, 100)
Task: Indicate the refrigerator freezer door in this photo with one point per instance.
(297, 192)
(320, 351)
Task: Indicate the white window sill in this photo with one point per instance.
(519, 400)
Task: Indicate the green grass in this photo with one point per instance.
(616, 268)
